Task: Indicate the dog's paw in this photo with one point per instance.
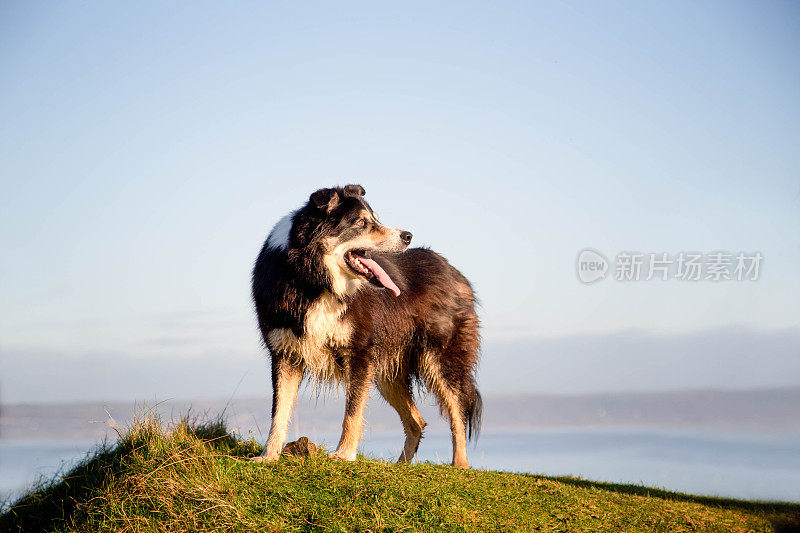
(343, 456)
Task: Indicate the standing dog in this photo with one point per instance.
(340, 300)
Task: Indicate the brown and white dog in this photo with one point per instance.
(340, 300)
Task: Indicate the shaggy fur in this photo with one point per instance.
(340, 300)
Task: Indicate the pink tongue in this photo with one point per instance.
(379, 273)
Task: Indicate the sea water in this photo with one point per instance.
(24, 463)
(758, 467)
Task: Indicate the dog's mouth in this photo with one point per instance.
(365, 266)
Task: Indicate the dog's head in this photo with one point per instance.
(340, 226)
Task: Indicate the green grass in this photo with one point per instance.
(194, 476)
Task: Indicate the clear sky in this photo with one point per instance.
(146, 149)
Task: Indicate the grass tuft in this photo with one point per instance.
(193, 475)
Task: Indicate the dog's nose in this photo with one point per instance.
(405, 236)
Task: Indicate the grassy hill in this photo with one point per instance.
(196, 477)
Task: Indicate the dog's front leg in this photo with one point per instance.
(286, 379)
(359, 379)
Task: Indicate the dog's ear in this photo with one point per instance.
(354, 190)
(325, 199)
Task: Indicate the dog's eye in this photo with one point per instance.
(361, 222)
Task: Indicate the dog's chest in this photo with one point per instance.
(325, 332)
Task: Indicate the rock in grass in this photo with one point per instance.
(301, 447)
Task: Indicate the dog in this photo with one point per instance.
(342, 300)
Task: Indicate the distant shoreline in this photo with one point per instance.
(748, 411)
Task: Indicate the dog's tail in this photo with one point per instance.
(473, 410)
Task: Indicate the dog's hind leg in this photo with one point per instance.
(451, 375)
(449, 400)
(398, 394)
(358, 382)
(447, 392)
(286, 379)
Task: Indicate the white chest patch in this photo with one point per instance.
(324, 332)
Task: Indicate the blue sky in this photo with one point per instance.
(146, 150)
